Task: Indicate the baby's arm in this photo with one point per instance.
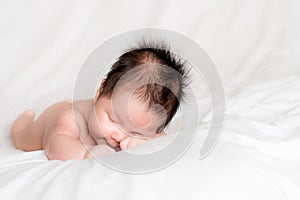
(63, 142)
(99, 151)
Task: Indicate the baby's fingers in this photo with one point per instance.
(135, 142)
(124, 143)
(130, 142)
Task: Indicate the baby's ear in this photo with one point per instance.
(99, 91)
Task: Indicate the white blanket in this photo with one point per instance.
(255, 46)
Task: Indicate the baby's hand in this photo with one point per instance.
(131, 142)
(99, 151)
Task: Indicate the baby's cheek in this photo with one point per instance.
(100, 129)
(103, 131)
(95, 130)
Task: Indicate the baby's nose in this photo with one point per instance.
(118, 136)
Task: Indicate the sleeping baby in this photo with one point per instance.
(134, 103)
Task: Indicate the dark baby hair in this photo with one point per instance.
(164, 74)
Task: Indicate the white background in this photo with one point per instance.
(255, 45)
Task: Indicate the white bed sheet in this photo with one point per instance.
(255, 45)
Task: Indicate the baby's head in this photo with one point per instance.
(148, 80)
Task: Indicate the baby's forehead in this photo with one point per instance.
(133, 111)
(131, 105)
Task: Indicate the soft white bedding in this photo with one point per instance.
(255, 46)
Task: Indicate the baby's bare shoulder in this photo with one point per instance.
(66, 122)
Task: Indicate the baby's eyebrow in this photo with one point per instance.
(120, 122)
(116, 117)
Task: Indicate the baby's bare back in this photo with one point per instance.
(29, 135)
(47, 120)
(61, 130)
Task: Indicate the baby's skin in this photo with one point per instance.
(66, 129)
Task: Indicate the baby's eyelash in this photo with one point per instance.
(137, 135)
(134, 134)
(110, 118)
